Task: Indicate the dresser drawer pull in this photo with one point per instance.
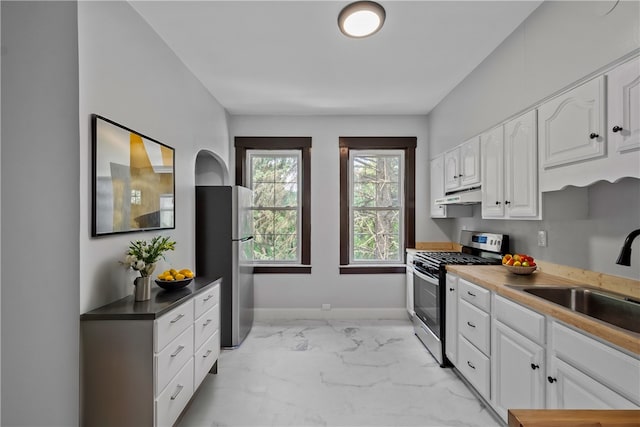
(207, 354)
(471, 294)
(177, 392)
(175, 353)
(470, 365)
(207, 298)
(178, 317)
(471, 324)
(207, 322)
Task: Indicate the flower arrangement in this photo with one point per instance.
(142, 256)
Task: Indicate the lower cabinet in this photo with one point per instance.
(517, 367)
(143, 361)
(451, 319)
(533, 361)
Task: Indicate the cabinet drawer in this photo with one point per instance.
(474, 365)
(206, 357)
(607, 365)
(206, 300)
(526, 321)
(206, 325)
(480, 297)
(174, 398)
(172, 358)
(172, 324)
(475, 325)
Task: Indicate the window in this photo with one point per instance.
(377, 203)
(278, 171)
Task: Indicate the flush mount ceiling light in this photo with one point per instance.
(361, 19)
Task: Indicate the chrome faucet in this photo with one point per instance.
(625, 254)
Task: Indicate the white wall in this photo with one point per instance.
(128, 74)
(325, 284)
(561, 42)
(40, 214)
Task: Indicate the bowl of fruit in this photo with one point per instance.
(173, 279)
(519, 264)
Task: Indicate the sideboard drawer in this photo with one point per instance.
(526, 321)
(206, 325)
(206, 300)
(476, 295)
(474, 324)
(175, 396)
(474, 365)
(172, 358)
(206, 357)
(172, 324)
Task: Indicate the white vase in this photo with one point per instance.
(143, 288)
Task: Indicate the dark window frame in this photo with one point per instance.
(302, 143)
(408, 144)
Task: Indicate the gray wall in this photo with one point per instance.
(40, 214)
(560, 42)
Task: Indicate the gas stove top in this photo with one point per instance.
(458, 258)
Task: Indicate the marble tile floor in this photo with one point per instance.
(333, 373)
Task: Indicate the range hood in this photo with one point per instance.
(470, 196)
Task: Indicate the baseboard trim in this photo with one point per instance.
(262, 314)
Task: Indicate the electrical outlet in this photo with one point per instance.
(542, 238)
(326, 307)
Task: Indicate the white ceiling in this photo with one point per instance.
(289, 57)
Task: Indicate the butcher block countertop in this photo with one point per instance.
(573, 418)
(495, 277)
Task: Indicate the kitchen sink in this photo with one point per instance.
(610, 307)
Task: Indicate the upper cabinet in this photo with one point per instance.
(624, 106)
(585, 136)
(571, 126)
(437, 174)
(462, 165)
(509, 170)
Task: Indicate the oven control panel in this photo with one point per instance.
(492, 242)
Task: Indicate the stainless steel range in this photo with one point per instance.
(429, 283)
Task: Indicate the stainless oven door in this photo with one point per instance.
(426, 301)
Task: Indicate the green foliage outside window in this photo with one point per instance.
(275, 182)
(376, 207)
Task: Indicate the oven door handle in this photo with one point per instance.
(426, 278)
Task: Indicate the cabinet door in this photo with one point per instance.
(570, 388)
(451, 169)
(451, 319)
(623, 107)
(517, 371)
(470, 162)
(571, 126)
(437, 187)
(493, 173)
(521, 167)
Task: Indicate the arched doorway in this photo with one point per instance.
(210, 169)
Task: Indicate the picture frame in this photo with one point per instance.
(133, 180)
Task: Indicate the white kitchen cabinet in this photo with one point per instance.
(142, 361)
(437, 191)
(462, 165)
(571, 126)
(451, 319)
(409, 285)
(517, 370)
(586, 373)
(509, 170)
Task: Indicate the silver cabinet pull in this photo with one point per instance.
(178, 317)
(207, 354)
(177, 392)
(207, 322)
(207, 298)
(175, 353)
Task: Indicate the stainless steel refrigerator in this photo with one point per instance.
(224, 248)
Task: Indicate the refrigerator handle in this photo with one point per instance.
(244, 239)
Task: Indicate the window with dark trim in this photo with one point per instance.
(282, 150)
(381, 153)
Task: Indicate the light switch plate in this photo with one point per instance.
(542, 238)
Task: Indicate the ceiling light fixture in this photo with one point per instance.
(361, 19)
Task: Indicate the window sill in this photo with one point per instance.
(373, 269)
(281, 269)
